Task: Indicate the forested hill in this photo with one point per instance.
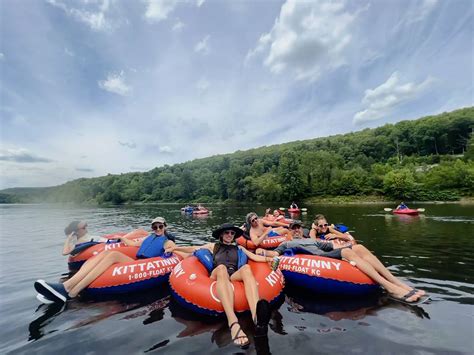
(431, 158)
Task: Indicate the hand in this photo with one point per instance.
(313, 226)
(260, 251)
(71, 235)
(170, 249)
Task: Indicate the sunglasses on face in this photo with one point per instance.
(323, 225)
(296, 227)
(231, 233)
(253, 220)
(157, 226)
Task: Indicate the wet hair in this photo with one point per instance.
(72, 227)
(319, 217)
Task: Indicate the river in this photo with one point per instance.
(433, 252)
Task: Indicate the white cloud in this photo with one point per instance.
(95, 19)
(202, 46)
(422, 11)
(158, 10)
(200, 2)
(2, 56)
(165, 149)
(383, 99)
(69, 52)
(202, 85)
(178, 26)
(115, 83)
(306, 39)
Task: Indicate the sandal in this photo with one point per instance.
(239, 331)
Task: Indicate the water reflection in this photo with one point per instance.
(356, 308)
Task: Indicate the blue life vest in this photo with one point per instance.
(272, 233)
(339, 227)
(152, 246)
(206, 258)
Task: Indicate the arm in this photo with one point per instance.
(338, 235)
(312, 232)
(257, 258)
(189, 248)
(69, 243)
(131, 243)
(256, 239)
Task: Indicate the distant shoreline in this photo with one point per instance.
(338, 200)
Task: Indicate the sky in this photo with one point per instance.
(92, 87)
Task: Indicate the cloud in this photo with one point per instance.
(178, 26)
(202, 46)
(202, 85)
(95, 19)
(115, 83)
(130, 145)
(2, 56)
(158, 10)
(200, 2)
(69, 52)
(21, 156)
(381, 101)
(165, 149)
(307, 39)
(85, 170)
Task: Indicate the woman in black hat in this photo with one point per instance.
(230, 264)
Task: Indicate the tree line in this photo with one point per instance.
(431, 158)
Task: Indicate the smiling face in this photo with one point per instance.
(228, 236)
(297, 231)
(158, 228)
(322, 225)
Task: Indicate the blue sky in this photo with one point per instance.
(92, 87)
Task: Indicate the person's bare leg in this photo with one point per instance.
(370, 271)
(84, 270)
(251, 290)
(111, 258)
(225, 293)
(365, 254)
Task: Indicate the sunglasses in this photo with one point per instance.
(156, 226)
(296, 227)
(323, 225)
(231, 233)
(253, 220)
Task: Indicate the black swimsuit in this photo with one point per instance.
(226, 255)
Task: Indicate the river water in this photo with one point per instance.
(434, 252)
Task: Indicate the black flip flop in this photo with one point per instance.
(244, 345)
(403, 299)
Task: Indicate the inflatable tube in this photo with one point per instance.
(193, 288)
(267, 243)
(137, 275)
(408, 211)
(325, 275)
(75, 261)
(201, 211)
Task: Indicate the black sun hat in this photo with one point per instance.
(227, 226)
